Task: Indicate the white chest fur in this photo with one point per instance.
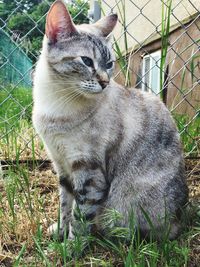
(64, 145)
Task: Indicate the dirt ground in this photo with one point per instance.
(193, 180)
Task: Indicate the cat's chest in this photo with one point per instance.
(86, 141)
(78, 143)
(70, 144)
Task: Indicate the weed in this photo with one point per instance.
(165, 31)
(189, 131)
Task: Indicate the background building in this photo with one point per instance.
(140, 36)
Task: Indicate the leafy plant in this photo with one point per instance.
(165, 31)
(123, 57)
(16, 104)
(189, 130)
(30, 19)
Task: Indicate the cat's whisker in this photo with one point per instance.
(68, 91)
(72, 98)
(60, 83)
(63, 92)
(61, 99)
(63, 78)
(63, 103)
(66, 100)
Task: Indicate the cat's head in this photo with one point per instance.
(81, 54)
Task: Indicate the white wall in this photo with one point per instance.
(139, 28)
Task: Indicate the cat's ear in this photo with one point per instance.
(106, 24)
(58, 22)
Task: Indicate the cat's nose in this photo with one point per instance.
(102, 78)
(103, 84)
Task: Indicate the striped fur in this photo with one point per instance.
(113, 148)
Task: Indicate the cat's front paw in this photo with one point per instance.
(54, 232)
(71, 233)
(52, 229)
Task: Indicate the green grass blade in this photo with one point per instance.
(19, 257)
(41, 252)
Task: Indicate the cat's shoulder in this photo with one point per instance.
(135, 94)
(143, 95)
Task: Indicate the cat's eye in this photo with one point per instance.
(109, 65)
(87, 61)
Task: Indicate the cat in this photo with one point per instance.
(111, 147)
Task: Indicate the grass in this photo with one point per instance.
(16, 104)
(123, 58)
(20, 142)
(189, 130)
(165, 31)
(18, 138)
(28, 205)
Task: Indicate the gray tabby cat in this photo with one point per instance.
(112, 148)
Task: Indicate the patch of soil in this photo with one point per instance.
(193, 179)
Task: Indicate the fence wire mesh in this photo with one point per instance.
(157, 49)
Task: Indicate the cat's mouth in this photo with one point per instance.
(103, 84)
(93, 87)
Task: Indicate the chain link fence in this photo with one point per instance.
(157, 49)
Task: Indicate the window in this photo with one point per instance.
(151, 72)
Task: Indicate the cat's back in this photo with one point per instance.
(145, 103)
(150, 137)
(144, 112)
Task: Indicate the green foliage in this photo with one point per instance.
(165, 31)
(28, 21)
(78, 10)
(16, 104)
(123, 57)
(189, 130)
(84, 250)
(8, 6)
(20, 22)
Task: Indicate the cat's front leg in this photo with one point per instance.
(66, 200)
(90, 191)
